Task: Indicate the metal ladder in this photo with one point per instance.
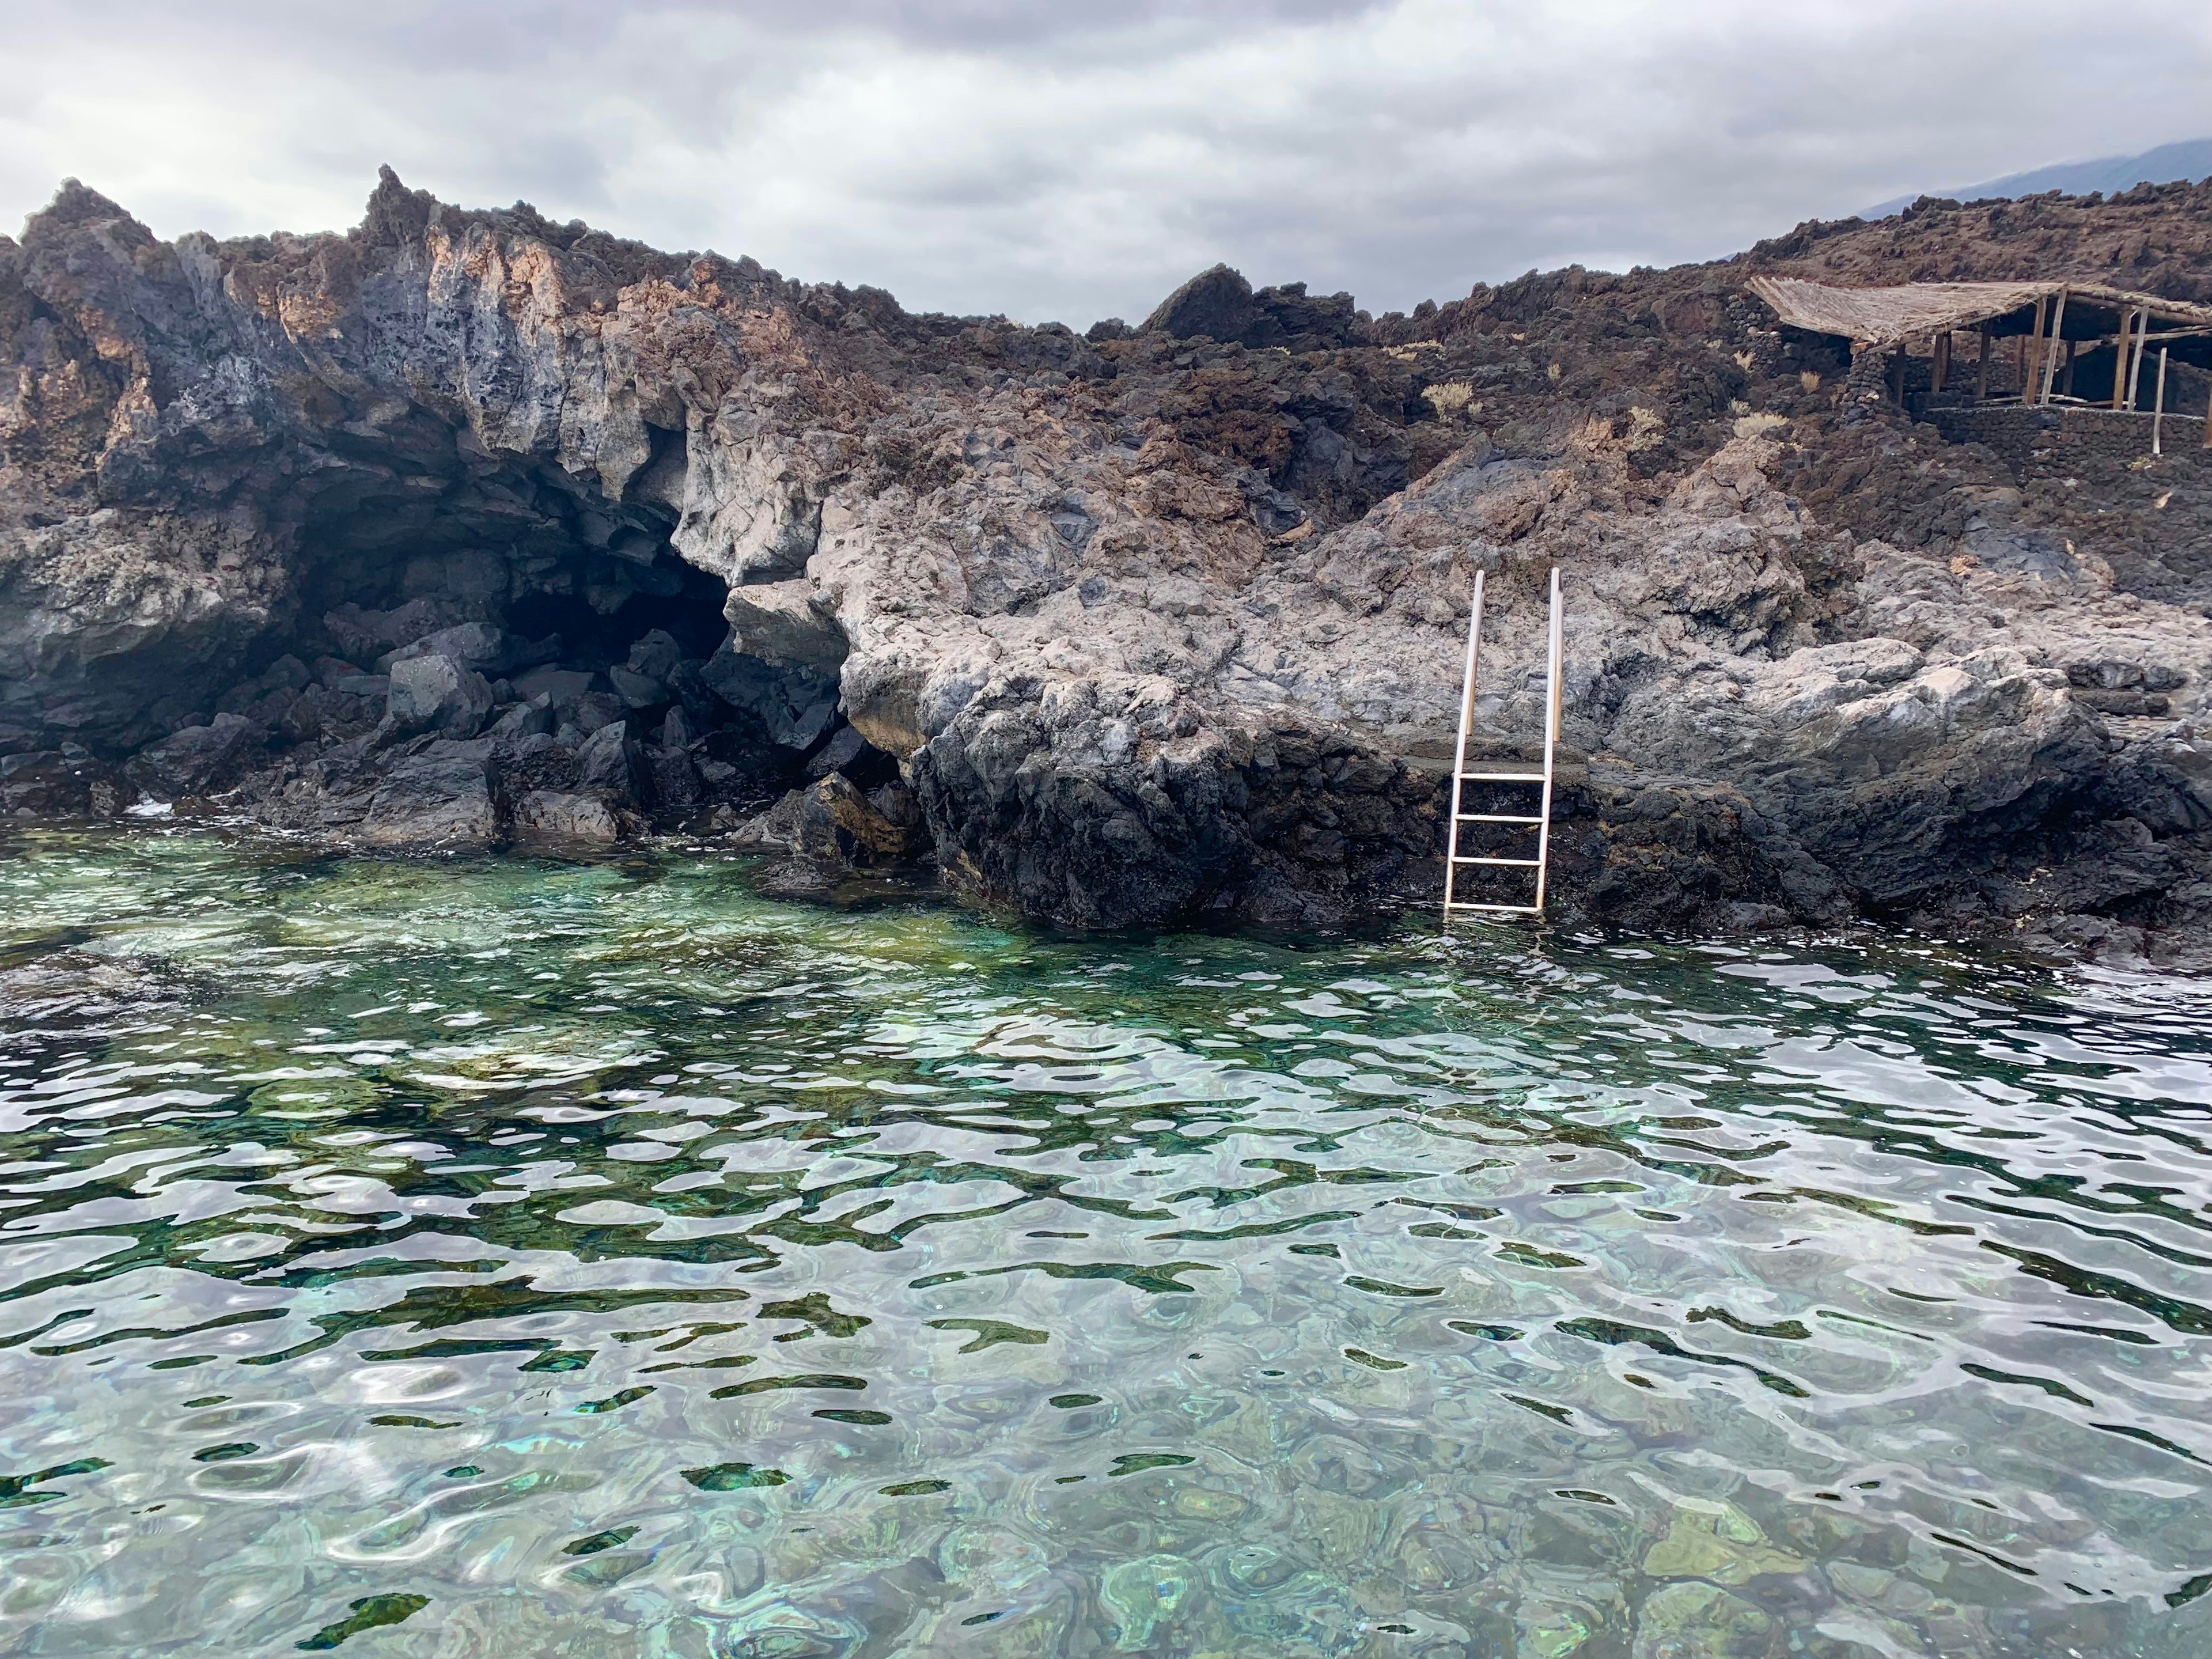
(1542, 820)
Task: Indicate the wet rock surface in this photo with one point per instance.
(466, 529)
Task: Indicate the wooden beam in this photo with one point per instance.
(1982, 371)
(2158, 409)
(1939, 370)
(2066, 374)
(2120, 358)
(2135, 365)
(2029, 343)
(2050, 349)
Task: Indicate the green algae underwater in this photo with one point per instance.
(499, 1256)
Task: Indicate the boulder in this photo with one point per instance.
(561, 688)
(197, 759)
(637, 690)
(595, 709)
(442, 797)
(655, 654)
(833, 823)
(689, 688)
(846, 746)
(472, 645)
(525, 719)
(546, 815)
(481, 646)
(364, 633)
(611, 766)
(675, 781)
(57, 783)
(438, 693)
(1216, 304)
(795, 704)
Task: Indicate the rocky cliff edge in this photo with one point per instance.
(469, 529)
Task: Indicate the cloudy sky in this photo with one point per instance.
(1077, 161)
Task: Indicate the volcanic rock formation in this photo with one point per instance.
(467, 528)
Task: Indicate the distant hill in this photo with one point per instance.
(2191, 160)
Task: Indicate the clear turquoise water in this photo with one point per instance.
(518, 1258)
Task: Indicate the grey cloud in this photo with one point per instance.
(1073, 161)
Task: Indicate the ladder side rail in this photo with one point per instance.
(1552, 689)
(1459, 755)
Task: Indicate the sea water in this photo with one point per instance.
(505, 1257)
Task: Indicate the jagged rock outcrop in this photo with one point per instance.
(468, 529)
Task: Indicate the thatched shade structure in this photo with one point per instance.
(2070, 334)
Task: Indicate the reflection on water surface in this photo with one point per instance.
(504, 1257)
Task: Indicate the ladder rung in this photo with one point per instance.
(1495, 910)
(1518, 863)
(1495, 817)
(1501, 777)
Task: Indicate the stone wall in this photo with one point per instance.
(2048, 432)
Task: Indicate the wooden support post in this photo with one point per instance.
(2135, 364)
(1897, 374)
(2120, 357)
(2030, 344)
(2050, 349)
(1939, 370)
(1982, 371)
(2066, 374)
(2158, 408)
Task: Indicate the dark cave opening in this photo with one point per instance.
(692, 616)
(442, 592)
(423, 521)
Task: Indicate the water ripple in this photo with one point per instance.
(506, 1256)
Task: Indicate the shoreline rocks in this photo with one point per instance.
(466, 529)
